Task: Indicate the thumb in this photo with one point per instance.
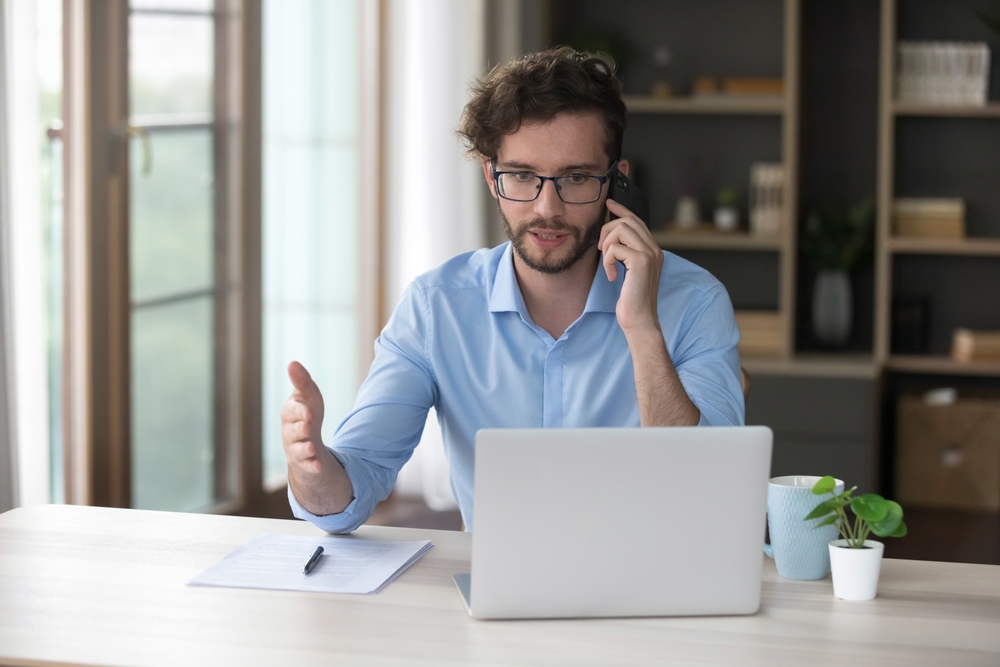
(301, 380)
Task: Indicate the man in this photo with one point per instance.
(573, 323)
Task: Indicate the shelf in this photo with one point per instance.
(987, 247)
(828, 365)
(940, 365)
(991, 110)
(708, 104)
(705, 237)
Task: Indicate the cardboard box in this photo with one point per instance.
(948, 456)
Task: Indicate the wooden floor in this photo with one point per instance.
(940, 535)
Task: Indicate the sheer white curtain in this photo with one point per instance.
(24, 451)
(434, 195)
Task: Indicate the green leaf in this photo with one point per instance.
(870, 507)
(822, 509)
(901, 531)
(825, 485)
(827, 521)
(893, 518)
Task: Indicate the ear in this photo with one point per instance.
(489, 177)
(623, 166)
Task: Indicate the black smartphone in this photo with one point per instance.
(628, 195)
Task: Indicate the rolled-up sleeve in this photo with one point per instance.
(707, 361)
(381, 431)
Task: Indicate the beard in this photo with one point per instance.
(581, 241)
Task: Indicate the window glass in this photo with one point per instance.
(173, 5)
(170, 208)
(170, 64)
(172, 406)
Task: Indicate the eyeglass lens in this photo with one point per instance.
(573, 189)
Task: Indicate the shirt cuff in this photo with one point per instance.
(343, 522)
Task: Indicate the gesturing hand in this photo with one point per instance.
(627, 240)
(301, 421)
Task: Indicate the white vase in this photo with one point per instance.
(855, 571)
(832, 308)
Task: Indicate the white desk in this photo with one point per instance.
(82, 585)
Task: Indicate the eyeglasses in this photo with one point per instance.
(572, 189)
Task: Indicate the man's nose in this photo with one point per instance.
(548, 205)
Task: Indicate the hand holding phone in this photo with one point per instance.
(628, 195)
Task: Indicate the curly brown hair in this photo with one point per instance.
(537, 87)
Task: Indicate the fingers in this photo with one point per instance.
(628, 241)
(301, 420)
(620, 210)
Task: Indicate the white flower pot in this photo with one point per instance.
(727, 218)
(855, 571)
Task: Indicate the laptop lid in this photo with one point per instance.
(604, 522)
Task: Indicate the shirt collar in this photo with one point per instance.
(506, 294)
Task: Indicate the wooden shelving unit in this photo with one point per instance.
(706, 238)
(991, 110)
(708, 104)
(831, 365)
(785, 109)
(972, 247)
(892, 249)
(940, 365)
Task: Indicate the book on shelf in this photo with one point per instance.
(929, 218)
(767, 194)
(762, 333)
(968, 345)
(943, 73)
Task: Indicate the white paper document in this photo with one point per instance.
(348, 564)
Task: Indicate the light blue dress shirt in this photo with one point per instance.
(461, 340)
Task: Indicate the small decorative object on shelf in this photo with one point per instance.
(663, 86)
(753, 86)
(855, 560)
(687, 214)
(767, 188)
(837, 243)
(738, 86)
(969, 346)
(705, 85)
(943, 73)
(929, 218)
(727, 212)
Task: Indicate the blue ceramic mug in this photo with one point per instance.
(798, 548)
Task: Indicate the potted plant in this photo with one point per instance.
(855, 561)
(727, 213)
(838, 242)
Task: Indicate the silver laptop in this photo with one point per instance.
(618, 522)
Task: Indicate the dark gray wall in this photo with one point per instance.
(822, 426)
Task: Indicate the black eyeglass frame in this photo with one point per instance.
(555, 181)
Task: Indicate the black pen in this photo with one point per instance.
(313, 560)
